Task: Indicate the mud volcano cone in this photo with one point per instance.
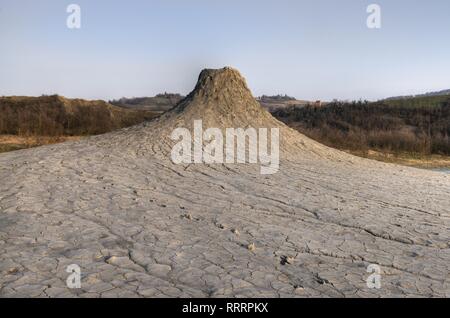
(222, 99)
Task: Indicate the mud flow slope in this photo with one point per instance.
(139, 225)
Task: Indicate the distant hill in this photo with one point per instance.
(164, 102)
(420, 101)
(438, 93)
(445, 92)
(56, 115)
(278, 97)
(275, 102)
(158, 103)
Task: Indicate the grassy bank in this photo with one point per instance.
(406, 159)
(12, 142)
(58, 116)
(27, 122)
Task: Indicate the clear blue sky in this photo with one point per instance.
(315, 49)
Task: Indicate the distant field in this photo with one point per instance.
(273, 103)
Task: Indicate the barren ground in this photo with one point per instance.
(140, 226)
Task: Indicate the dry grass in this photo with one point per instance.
(406, 159)
(13, 142)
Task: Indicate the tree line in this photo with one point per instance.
(401, 126)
